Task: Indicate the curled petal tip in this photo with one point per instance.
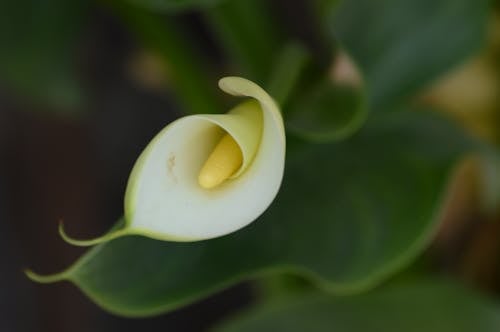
(89, 242)
(45, 279)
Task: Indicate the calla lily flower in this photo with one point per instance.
(204, 176)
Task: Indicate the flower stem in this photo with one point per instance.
(287, 71)
(189, 75)
(248, 33)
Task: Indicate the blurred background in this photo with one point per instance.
(70, 136)
(72, 163)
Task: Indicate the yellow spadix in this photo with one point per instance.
(223, 162)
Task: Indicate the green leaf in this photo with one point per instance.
(38, 50)
(348, 216)
(423, 305)
(402, 45)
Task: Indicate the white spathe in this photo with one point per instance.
(163, 198)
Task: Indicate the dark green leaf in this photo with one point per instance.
(431, 306)
(402, 45)
(37, 49)
(348, 216)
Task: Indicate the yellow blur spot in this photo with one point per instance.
(223, 162)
